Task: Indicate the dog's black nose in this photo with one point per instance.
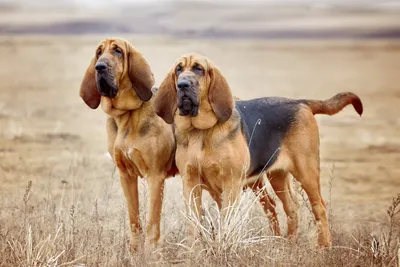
(183, 84)
(100, 66)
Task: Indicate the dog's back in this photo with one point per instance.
(266, 121)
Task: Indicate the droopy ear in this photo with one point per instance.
(166, 99)
(140, 74)
(88, 91)
(219, 95)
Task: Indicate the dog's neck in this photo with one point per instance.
(214, 135)
(126, 106)
(125, 101)
(134, 117)
(204, 120)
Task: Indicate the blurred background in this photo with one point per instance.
(292, 48)
(261, 19)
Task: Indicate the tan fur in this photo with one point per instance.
(209, 157)
(203, 156)
(140, 143)
(299, 156)
(335, 104)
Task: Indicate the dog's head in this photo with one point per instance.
(116, 66)
(192, 83)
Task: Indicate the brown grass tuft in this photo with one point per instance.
(52, 233)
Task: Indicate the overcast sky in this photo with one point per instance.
(378, 5)
(387, 3)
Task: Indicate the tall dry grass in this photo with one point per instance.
(51, 231)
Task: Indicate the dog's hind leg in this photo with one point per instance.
(281, 184)
(308, 174)
(268, 204)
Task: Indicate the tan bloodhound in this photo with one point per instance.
(140, 142)
(224, 145)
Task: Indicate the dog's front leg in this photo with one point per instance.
(192, 193)
(130, 187)
(231, 188)
(155, 199)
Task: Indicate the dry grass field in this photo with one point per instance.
(61, 203)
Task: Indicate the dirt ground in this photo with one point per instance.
(49, 136)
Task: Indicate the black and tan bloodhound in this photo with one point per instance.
(225, 145)
(140, 142)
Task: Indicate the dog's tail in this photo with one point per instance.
(335, 104)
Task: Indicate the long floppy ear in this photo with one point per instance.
(88, 91)
(140, 74)
(166, 99)
(219, 95)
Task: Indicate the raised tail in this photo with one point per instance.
(335, 104)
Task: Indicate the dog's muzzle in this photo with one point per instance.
(105, 81)
(187, 98)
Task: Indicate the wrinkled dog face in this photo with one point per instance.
(190, 79)
(109, 67)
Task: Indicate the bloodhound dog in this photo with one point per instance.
(140, 142)
(224, 145)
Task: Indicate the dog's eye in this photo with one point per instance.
(198, 69)
(98, 53)
(178, 69)
(118, 51)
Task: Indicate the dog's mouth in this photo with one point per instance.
(106, 86)
(187, 107)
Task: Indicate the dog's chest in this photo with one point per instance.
(129, 159)
(207, 166)
(191, 149)
(203, 156)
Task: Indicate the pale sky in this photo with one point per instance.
(325, 4)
